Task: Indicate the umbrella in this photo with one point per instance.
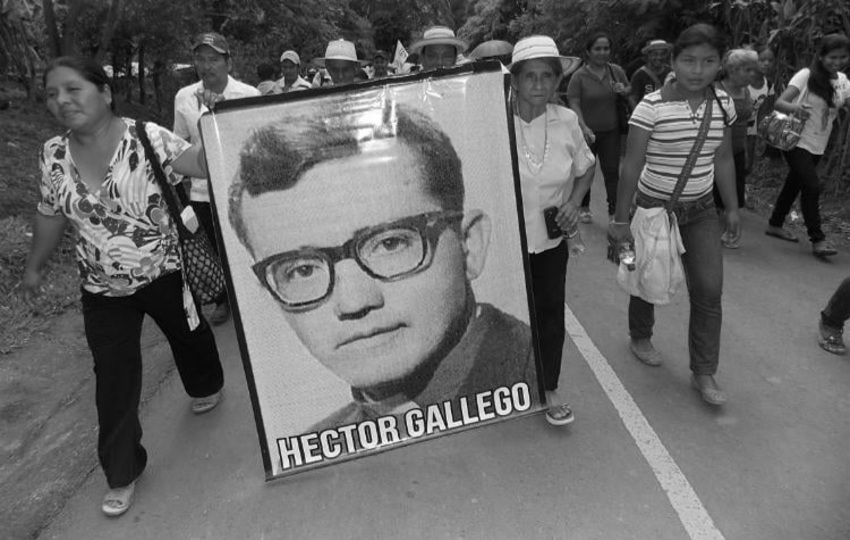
(492, 48)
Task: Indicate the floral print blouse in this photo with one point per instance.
(125, 235)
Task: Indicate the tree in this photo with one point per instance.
(17, 54)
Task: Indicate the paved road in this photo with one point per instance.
(645, 458)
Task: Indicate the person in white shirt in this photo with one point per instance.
(340, 64)
(290, 67)
(211, 56)
(438, 48)
(814, 94)
(556, 169)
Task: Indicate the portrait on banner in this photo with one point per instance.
(373, 244)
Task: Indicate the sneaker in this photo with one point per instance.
(823, 249)
(585, 215)
(644, 351)
(221, 314)
(201, 405)
(831, 339)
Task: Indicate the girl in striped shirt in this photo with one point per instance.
(665, 127)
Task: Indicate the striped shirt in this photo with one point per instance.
(674, 127)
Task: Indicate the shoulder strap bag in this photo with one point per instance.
(658, 273)
(202, 271)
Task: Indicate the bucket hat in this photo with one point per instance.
(439, 35)
(534, 47)
(656, 45)
(339, 49)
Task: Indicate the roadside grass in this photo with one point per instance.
(19, 321)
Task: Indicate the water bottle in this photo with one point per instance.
(627, 256)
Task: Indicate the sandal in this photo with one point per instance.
(823, 249)
(205, 404)
(711, 395)
(560, 415)
(782, 234)
(831, 339)
(118, 500)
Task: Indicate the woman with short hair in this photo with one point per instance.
(739, 69)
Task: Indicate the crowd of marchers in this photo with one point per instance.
(690, 110)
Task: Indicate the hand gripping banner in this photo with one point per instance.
(372, 240)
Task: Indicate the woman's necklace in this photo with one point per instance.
(535, 164)
(692, 111)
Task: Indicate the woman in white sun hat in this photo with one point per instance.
(438, 48)
(556, 169)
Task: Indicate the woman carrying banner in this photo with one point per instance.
(556, 168)
(667, 127)
(97, 178)
(814, 94)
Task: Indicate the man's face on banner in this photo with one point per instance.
(368, 330)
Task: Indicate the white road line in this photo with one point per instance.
(679, 491)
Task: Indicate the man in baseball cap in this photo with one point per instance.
(211, 57)
(438, 48)
(290, 67)
(380, 65)
(651, 76)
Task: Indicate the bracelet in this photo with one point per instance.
(569, 235)
(619, 222)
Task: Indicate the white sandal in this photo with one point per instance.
(118, 500)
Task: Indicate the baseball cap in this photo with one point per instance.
(213, 40)
(292, 56)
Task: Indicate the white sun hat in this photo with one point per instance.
(439, 35)
(534, 47)
(656, 45)
(339, 49)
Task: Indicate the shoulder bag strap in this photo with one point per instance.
(652, 76)
(702, 135)
(164, 186)
(611, 72)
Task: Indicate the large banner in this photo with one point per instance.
(374, 251)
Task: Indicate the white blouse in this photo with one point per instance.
(568, 157)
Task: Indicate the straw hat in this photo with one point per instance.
(491, 49)
(656, 45)
(534, 47)
(439, 35)
(339, 49)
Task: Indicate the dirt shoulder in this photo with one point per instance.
(48, 420)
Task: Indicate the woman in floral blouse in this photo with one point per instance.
(96, 177)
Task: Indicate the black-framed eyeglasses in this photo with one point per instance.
(304, 278)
